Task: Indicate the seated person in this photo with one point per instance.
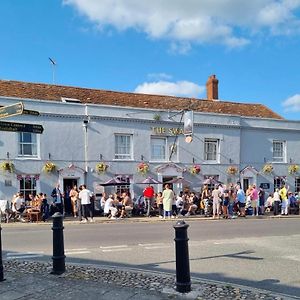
(109, 209)
(193, 205)
(127, 205)
(18, 206)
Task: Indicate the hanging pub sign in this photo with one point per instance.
(188, 124)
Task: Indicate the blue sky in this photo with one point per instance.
(158, 46)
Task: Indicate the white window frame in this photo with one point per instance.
(165, 148)
(37, 145)
(33, 185)
(282, 158)
(124, 156)
(217, 154)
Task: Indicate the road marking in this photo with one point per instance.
(76, 252)
(150, 245)
(116, 250)
(113, 247)
(157, 247)
(24, 255)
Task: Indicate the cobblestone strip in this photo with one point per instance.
(147, 281)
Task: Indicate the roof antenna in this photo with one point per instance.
(53, 62)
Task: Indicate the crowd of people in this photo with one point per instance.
(221, 201)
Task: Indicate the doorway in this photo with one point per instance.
(166, 179)
(68, 183)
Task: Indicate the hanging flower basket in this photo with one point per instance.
(195, 169)
(143, 168)
(232, 170)
(293, 169)
(7, 166)
(101, 167)
(49, 167)
(267, 169)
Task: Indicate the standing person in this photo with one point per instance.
(216, 202)
(204, 200)
(57, 198)
(168, 196)
(254, 200)
(45, 208)
(159, 202)
(261, 201)
(276, 201)
(284, 200)
(241, 198)
(225, 203)
(74, 198)
(148, 194)
(85, 197)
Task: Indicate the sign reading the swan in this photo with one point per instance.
(11, 110)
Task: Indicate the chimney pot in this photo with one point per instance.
(212, 88)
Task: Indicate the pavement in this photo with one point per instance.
(33, 280)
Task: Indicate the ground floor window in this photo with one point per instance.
(27, 184)
(125, 187)
(297, 184)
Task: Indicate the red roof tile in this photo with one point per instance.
(43, 91)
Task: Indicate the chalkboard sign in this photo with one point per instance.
(265, 186)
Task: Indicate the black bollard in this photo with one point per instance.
(1, 264)
(183, 279)
(58, 245)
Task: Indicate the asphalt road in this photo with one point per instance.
(261, 253)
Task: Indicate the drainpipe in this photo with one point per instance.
(86, 120)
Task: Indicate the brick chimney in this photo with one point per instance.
(212, 88)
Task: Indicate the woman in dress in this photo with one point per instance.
(168, 196)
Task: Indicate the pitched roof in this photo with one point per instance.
(43, 91)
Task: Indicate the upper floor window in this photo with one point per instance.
(158, 149)
(27, 144)
(278, 151)
(211, 149)
(123, 146)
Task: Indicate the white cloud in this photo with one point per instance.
(179, 88)
(292, 104)
(229, 22)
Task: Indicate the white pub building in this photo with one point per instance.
(91, 136)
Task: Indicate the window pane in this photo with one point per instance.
(123, 146)
(27, 149)
(278, 151)
(210, 149)
(27, 144)
(158, 149)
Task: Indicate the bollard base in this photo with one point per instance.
(55, 272)
(183, 287)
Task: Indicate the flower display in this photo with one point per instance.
(101, 167)
(7, 166)
(232, 170)
(195, 169)
(49, 167)
(293, 169)
(143, 168)
(267, 168)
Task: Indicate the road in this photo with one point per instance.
(261, 253)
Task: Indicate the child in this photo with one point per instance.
(45, 208)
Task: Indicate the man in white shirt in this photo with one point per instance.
(85, 197)
(109, 208)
